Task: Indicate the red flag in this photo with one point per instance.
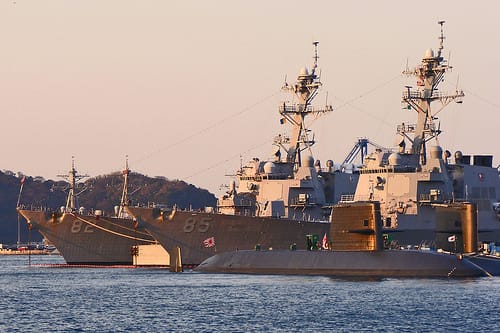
(325, 242)
(209, 242)
(451, 239)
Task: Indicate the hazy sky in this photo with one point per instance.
(184, 88)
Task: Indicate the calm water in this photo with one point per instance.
(48, 299)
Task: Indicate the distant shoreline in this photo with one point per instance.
(25, 252)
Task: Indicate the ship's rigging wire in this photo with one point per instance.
(226, 160)
(345, 104)
(449, 83)
(206, 129)
(111, 231)
(484, 100)
(351, 101)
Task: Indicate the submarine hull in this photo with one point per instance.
(392, 263)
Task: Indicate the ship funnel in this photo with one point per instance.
(308, 161)
(436, 152)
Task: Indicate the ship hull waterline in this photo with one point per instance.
(188, 230)
(376, 264)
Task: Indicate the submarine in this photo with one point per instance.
(357, 249)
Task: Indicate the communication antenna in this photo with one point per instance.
(441, 38)
(316, 57)
(458, 100)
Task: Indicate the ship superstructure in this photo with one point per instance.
(291, 184)
(411, 182)
(273, 203)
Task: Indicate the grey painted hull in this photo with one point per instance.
(488, 263)
(88, 240)
(396, 263)
(188, 230)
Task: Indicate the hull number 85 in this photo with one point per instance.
(197, 224)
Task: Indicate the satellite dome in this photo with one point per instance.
(429, 54)
(394, 159)
(269, 167)
(303, 71)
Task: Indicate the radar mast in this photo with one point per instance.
(124, 200)
(429, 75)
(305, 90)
(72, 178)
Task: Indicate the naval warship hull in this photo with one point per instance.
(369, 264)
(188, 230)
(89, 240)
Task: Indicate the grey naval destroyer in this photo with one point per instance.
(89, 237)
(275, 203)
(412, 187)
(411, 181)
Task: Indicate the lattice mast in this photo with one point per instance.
(429, 75)
(72, 178)
(305, 90)
(124, 199)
